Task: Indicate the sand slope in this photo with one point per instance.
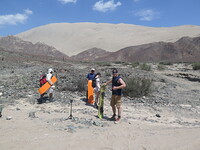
(73, 38)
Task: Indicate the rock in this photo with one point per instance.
(157, 115)
(17, 108)
(97, 123)
(8, 118)
(32, 114)
(71, 129)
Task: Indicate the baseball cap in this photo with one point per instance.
(114, 71)
(92, 69)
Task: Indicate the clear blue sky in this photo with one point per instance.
(20, 15)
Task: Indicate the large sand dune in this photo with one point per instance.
(73, 38)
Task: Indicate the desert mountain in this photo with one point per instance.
(185, 49)
(73, 38)
(91, 54)
(15, 44)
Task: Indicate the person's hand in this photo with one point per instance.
(114, 88)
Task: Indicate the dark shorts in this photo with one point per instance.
(116, 100)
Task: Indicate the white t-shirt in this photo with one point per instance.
(97, 88)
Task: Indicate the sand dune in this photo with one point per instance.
(73, 38)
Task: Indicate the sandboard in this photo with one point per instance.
(90, 92)
(101, 101)
(47, 85)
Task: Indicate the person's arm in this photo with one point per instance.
(123, 85)
(87, 77)
(108, 82)
(48, 78)
(98, 83)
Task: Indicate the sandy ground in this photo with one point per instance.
(139, 129)
(177, 128)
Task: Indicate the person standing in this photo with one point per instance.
(97, 89)
(117, 85)
(48, 79)
(91, 75)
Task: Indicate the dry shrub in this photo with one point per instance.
(138, 87)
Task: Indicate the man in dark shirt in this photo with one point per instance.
(117, 85)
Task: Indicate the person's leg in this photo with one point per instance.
(50, 95)
(112, 104)
(97, 97)
(119, 107)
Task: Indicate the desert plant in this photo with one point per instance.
(135, 64)
(145, 67)
(103, 63)
(81, 84)
(122, 62)
(108, 73)
(166, 63)
(161, 67)
(75, 85)
(138, 87)
(196, 66)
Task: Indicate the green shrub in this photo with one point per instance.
(138, 87)
(145, 67)
(166, 63)
(75, 85)
(196, 66)
(161, 67)
(121, 62)
(135, 64)
(103, 63)
(108, 73)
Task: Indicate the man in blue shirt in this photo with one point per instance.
(91, 75)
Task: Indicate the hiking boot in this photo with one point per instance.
(113, 118)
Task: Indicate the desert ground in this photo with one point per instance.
(169, 119)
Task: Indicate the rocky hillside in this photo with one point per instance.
(15, 44)
(91, 54)
(73, 38)
(184, 50)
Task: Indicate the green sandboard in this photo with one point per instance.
(101, 101)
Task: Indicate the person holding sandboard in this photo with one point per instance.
(49, 85)
(90, 89)
(117, 85)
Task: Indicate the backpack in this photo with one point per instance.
(94, 83)
(43, 79)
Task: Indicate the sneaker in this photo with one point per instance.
(113, 118)
(117, 120)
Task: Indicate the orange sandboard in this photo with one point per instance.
(46, 86)
(90, 92)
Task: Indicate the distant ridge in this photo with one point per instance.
(90, 55)
(15, 44)
(185, 49)
(73, 38)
